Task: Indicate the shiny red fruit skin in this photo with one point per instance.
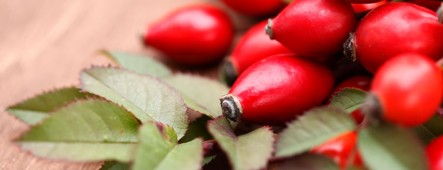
(314, 28)
(366, 7)
(359, 82)
(409, 88)
(340, 149)
(434, 153)
(256, 8)
(193, 36)
(396, 28)
(255, 46)
(277, 89)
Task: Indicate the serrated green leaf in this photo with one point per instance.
(35, 109)
(139, 63)
(86, 130)
(114, 165)
(304, 162)
(249, 151)
(146, 97)
(313, 128)
(349, 99)
(431, 129)
(155, 151)
(391, 147)
(197, 129)
(200, 94)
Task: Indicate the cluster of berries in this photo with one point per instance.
(286, 65)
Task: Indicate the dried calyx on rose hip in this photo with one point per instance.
(341, 149)
(315, 29)
(406, 90)
(258, 8)
(277, 89)
(192, 36)
(253, 46)
(393, 29)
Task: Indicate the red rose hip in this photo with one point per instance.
(255, 7)
(341, 149)
(434, 153)
(396, 28)
(192, 36)
(252, 47)
(313, 28)
(277, 89)
(407, 89)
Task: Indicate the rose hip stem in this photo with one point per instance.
(440, 13)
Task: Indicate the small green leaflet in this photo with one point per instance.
(144, 96)
(114, 165)
(391, 147)
(349, 99)
(305, 162)
(200, 94)
(157, 151)
(249, 151)
(86, 130)
(431, 128)
(37, 108)
(139, 63)
(311, 129)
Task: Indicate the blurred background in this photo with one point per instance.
(46, 43)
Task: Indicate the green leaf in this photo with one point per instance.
(35, 109)
(197, 129)
(139, 63)
(249, 151)
(157, 151)
(146, 97)
(200, 94)
(114, 165)
(391, 147)
(305, 161)
(86, 130)
(313, 128)
(430, 130)
(349, 99)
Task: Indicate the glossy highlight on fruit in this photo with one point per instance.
(408, 89)
(396, 28)
(277, 89)
(434, 153)
(313, 28)
(341, 150)
(255, 7)
(192, 36)
(253, 46)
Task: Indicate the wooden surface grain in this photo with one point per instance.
(44, 44)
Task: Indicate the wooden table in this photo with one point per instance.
(44, 44)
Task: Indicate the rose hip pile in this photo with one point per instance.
(312, 49)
